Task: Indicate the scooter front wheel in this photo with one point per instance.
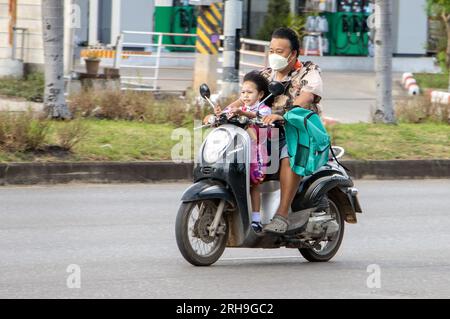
(192, 233)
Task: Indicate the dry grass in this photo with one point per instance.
(420, 110)
(136, 106)
(22, 131)
(71, 134)
(27, 132)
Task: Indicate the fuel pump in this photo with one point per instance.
(348, 28)
(176, 16)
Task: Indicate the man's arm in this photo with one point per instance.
(303, 100)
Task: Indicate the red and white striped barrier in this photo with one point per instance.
(410, 84)
(440, 97)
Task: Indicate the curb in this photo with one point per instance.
(399, 169)
(145, 172)
(92, 172)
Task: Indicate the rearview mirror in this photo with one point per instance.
(204, 91)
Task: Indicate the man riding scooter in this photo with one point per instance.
(303, 88)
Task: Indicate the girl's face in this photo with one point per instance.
(250, 94)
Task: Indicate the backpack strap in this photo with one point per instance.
(337, 161)
(307, 118)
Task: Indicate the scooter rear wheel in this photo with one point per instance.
(193, 239)
(329, 248)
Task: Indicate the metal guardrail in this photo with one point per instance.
(247, 50)
(133, 82)
(150, 83)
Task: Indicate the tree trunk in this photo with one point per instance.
(447, 24)
(53, 37)
(384, 111)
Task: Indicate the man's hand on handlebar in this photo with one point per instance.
(270, 119)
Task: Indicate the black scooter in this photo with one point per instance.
(216, 210)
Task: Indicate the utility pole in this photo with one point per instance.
(384, 112)
(231, 47)
(53, 39)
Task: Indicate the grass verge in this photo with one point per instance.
(432, 80)
(108, 140)
(388, 142)
(30, 88)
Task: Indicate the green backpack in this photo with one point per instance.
(308, 142)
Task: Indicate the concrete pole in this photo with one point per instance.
(231, 47)
(53, 41)
(93, 22)
(384, 112)
(115, 20)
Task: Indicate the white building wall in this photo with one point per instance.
(28, 16)
(5, 51)
(410, 27)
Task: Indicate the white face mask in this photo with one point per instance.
(278, 62)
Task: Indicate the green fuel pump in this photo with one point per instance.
(348, 30)
(179, 17)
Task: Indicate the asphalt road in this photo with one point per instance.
(122, 238)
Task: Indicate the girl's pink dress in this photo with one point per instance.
(259, 157)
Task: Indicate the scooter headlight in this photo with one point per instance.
(216, 143)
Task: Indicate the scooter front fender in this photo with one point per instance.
(206, 189)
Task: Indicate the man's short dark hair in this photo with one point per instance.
(288, 34)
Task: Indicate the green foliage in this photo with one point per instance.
(277, 17)
(432, 80)
(441, 9)
(297, 23)
(438, 7)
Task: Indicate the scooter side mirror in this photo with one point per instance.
(205, 91)
(276, 88)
